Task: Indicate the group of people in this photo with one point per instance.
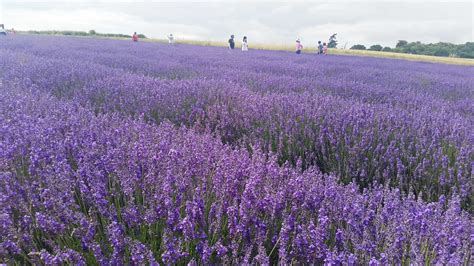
(322, 48)
(170, 38)
(245, 45)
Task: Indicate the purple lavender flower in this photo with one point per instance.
(112, 157)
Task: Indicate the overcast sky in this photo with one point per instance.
(364, 22)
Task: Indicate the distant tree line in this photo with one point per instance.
(436, 49)
(81, 33)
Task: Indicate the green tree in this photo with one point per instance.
(401, 43)
(376, 47)
(358, 47)
(92, 32)
(415, 48)
(332, 41)
(441, 52)
(387, 49)
(466, 50)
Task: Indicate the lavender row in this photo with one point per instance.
(367, 78)
(385, 82)
(373, 138)
(82, 188)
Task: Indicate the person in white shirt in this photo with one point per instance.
(171, 39)
(245, 45)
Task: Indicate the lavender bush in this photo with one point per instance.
(81, 188)
(112, 153)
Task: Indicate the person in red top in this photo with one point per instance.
(135, 37)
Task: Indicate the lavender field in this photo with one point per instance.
(121, 153)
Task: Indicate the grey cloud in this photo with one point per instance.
(355, 22)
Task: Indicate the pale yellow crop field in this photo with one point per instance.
(412, 57)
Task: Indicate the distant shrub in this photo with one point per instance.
(82, 33)
(376, 47)
(387, 49)
(441, 52)
(401, 43)
(358, 47)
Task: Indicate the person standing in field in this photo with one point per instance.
(135, 37)
(231, 42)
(299, 46)
(320, 47)
(2, 30)
(245, 45)
(325, 48)
(171, 38)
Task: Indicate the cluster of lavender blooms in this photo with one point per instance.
(146, 154)
(362, 119)
(81, 188)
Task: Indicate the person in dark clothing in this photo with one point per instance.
(320, 47)
(231, 42)
(2, 30)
